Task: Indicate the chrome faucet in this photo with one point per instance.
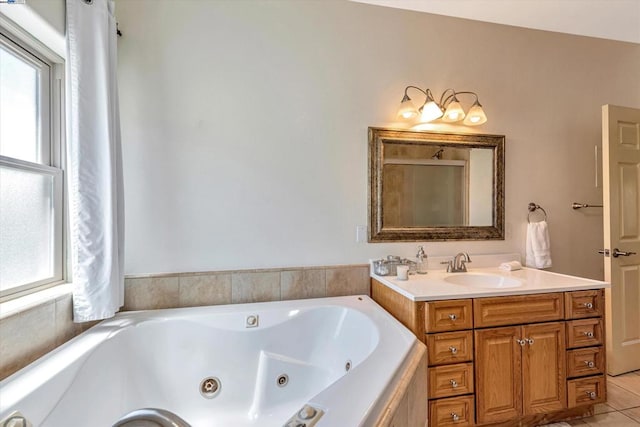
(458, 264)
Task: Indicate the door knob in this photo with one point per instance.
(616, 253)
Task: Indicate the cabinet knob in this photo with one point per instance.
(453, 317)
(453, 350)
(521, 342)
(588, 305)
(455, 417)
(454, 383)
(592, 395)
(589, 363)
(588, 334)
(529, 341)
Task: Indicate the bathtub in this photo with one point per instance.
(234, 365)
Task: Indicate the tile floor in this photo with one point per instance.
(623, 404)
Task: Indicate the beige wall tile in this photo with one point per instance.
(209, 289)
(151, 293)
(26, 336)
(255, 287)
(300, 284)
(347, 281)
(65, 327)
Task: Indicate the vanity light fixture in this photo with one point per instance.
(448, 109)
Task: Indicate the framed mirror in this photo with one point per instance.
(435, 186)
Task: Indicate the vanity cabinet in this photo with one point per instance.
(520, 370)
(527, 359)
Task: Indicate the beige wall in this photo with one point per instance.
(245, 126)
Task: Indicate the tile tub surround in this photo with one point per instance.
(31, 333)
(244, 286)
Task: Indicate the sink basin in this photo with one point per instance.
(482, 280)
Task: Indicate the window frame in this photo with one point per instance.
(51, 149)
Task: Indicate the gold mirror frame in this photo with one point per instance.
(378, 233)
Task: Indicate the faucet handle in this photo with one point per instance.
(449, 265)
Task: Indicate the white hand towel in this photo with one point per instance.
(510, 266)
(538, 253)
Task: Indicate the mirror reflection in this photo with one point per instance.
(435, 186)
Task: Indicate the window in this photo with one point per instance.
(31, 186)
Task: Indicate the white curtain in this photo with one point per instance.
(94, 160)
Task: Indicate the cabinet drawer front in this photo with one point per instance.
(583, 304)
(585, 361)
(450, 380)
(584, 333)
(452, 315)
(455, 411)
(586, 391)
(450, 347)
(518, 309)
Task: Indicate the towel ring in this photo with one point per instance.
(534, 207)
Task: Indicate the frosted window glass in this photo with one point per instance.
(26, 227)
(18, 108)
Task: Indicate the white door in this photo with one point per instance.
(621, 194)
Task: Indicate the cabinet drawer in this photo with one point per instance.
(518, 309)
(451, 315)
(454, 411)
(450, 347)
(586, 391)
(584, 333)
(583, 304)
(585, 361)
(450, 380)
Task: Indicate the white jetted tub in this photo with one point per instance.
(234, 365)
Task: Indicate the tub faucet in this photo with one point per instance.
(458, 264)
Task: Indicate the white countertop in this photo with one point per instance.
(433, 287)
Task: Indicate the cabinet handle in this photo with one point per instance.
(454, 383)
(453, 350)
(589, 363)
(521, 342)
(529, 341)
(588, 334)
(588, 305)
(592, 395)
(453, 317)
(455, 417)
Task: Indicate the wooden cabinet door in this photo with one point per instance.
(544, 368)
(498, 361)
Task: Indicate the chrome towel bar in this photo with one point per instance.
(576, 205)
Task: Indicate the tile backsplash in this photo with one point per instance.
(29, 334)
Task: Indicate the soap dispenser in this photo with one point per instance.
(421, 261)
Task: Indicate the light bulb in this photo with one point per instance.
(407, 109)
(454, 112)
(430, 112)
(476, 115)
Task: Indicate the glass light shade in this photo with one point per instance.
(454, 112)
(407, 109)
(430, 112)
(476, 116)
